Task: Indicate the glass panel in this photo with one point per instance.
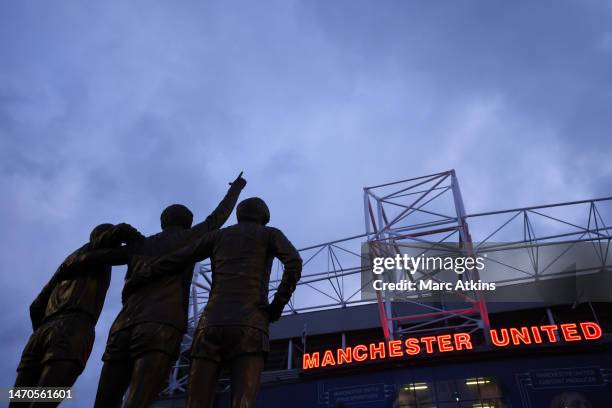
(414, 395)
(490, 403)
(446, 391)
(469, 389)
(475, 392)
(486, 387)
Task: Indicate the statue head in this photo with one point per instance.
(98, 231)
(253, 209)
(176, 215)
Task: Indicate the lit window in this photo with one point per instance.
(474, 392)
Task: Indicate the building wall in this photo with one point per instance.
(584, 379)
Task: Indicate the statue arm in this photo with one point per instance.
(108, 256)
(218, 217)
(39, 305)
(194, 251)
(120, 234)
(106, 249)
(172, 263)
(284, 250)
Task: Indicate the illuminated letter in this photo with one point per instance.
(412, 346)
(344, 356)
(463, 339)
(444, 343)
(591, 331)
(395, 348)
(496, 341)
(360, 353)
(569, 332)
(310, 362)
(428, 343)
(550, 332)
(519, 336)
(328, 359)
(377, 349)
(536, 334)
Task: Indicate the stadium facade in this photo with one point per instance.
(533, 343)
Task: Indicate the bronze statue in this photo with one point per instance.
(144, 341)
(65, 313)
(233, 328)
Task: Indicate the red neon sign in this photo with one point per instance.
(502, 337)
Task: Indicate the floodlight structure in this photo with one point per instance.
(424, 214)
(427, 211)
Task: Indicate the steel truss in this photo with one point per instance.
(425, 210)
(422, 212)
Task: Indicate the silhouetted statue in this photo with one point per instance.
(144, 341)
(233, 328)
(65, 313)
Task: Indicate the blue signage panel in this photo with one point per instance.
(566, 377)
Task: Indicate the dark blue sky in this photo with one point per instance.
(109, 111)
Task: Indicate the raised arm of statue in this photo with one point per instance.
(219, 216)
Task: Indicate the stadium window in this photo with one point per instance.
(475, 392)
(414, 395)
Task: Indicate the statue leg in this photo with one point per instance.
(26, 377)
(114, 380)
(245, 375)
(29, 368)
(151, 371)
(203, 375)
(58, 373)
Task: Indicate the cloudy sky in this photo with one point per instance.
(109, 111)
